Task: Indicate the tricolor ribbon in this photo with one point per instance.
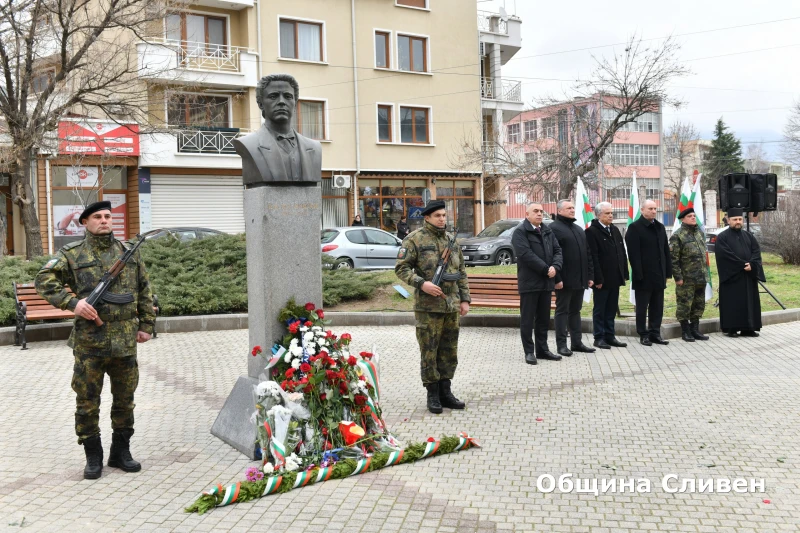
(394, 458)
(362, 466)
(302, 479)
(231, 493)
(373, 412)
(214, 490)
(324, 474)
(272, 485)
(278, 453)
(277, 353)
(371, 373)
(431, 448)
(465, 441)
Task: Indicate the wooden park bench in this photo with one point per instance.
(32, 307)
(496, 290)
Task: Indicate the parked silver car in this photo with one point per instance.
(492, 246)
(360, 247)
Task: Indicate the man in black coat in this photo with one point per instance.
(651, 266)
(610, 272)
(572, 280)
(538, 262)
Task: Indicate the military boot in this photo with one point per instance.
(94, 458)
(446, 396)
(686, 331)
(695, 329)
(434, 404)
(120, 454)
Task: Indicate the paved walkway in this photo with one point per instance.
(719, 409)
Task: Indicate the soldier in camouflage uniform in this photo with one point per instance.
(436, 309)
(688, 249)
(107, 349)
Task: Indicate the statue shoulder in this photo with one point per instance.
(252, 140)
(308, 143)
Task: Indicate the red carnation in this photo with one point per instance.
(362, 378)
(320, 313)
(309, 306)
(256, 350)
(352, 360)
(431, 439)
(293, 328)
(330, 374)
(308, 324)
(324, 430)
(343, 388)
(290, 373)
(366, 355)
(346, 337)
(323, 397)
(360, 399)
(305, 367)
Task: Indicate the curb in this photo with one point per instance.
(186, 324)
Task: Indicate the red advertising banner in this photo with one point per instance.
(98, 138)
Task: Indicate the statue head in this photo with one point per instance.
(276, 96)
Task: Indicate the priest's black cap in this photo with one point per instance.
(687, 211)
(735, 212)
(433, 206)
(94, 208)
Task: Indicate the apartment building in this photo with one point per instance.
(538, 133)
(391, 88)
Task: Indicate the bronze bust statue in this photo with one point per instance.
(276, 154)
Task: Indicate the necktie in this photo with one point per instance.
(608, 229)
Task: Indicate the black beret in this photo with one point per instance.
(687, 211)
(433, 206)
(94, 208)
(735, 212)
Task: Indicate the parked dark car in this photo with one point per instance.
(183, 234)
(492, 246)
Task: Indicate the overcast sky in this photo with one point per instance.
(767, 81)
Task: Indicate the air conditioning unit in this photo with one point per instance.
(481, 50)
(341, 181)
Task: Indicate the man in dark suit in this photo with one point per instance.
(276, 154)
(538, 262)
(607, 250)
(576, 276)
(651, 266)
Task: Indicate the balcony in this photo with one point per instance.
(502, 159)
(505, 32)
(501, 95)
(185, 147)
(194, 63)
(234, 5)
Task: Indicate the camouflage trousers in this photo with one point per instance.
(691, 300)
(437, 335)
(87, 382)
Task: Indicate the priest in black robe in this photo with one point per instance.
(739, 266)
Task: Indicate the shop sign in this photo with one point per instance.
(92, 137)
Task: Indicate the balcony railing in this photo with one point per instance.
(208, 140)
(506, 90)
(502, 158)
(492, 23)
(206, 56)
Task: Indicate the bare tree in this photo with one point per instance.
(791, 133)
(66, 56)
(579, 130)
(755, 159)
(680, 154)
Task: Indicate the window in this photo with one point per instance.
(422, 4)
(311, 119)
(197, 29)
(414, 125)
(376, 237)
(549, 128)
(635, 155)
(647, 122)
(412, 53)
(301, 40)
(385, 134)
(513, 133)
(458, 196)
(532, 159)
(198, 110)
(382, 202)
(356, 236)
(40, 81)
(530, 130)
(382, 50)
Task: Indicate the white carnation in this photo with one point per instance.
(308, 337)
(287, 357)
(292, 463)
(268, 468)
(296, 364)
(296, 351)
(268, 388)
(294, 342)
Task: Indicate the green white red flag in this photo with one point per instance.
(697, 203)
(583, 218)
(634, 212)
(685, 201)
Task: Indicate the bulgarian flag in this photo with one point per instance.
(684, 202)
(634, 212)
(583, 218)
(696, 200)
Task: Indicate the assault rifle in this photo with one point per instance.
(441, 267)
(101, 291)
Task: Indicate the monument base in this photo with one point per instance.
(233, 425)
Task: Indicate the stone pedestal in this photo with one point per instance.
(283, 261)
(711, 208)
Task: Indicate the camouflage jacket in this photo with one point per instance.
(687, 246)
(80, 265)
(416, 263)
